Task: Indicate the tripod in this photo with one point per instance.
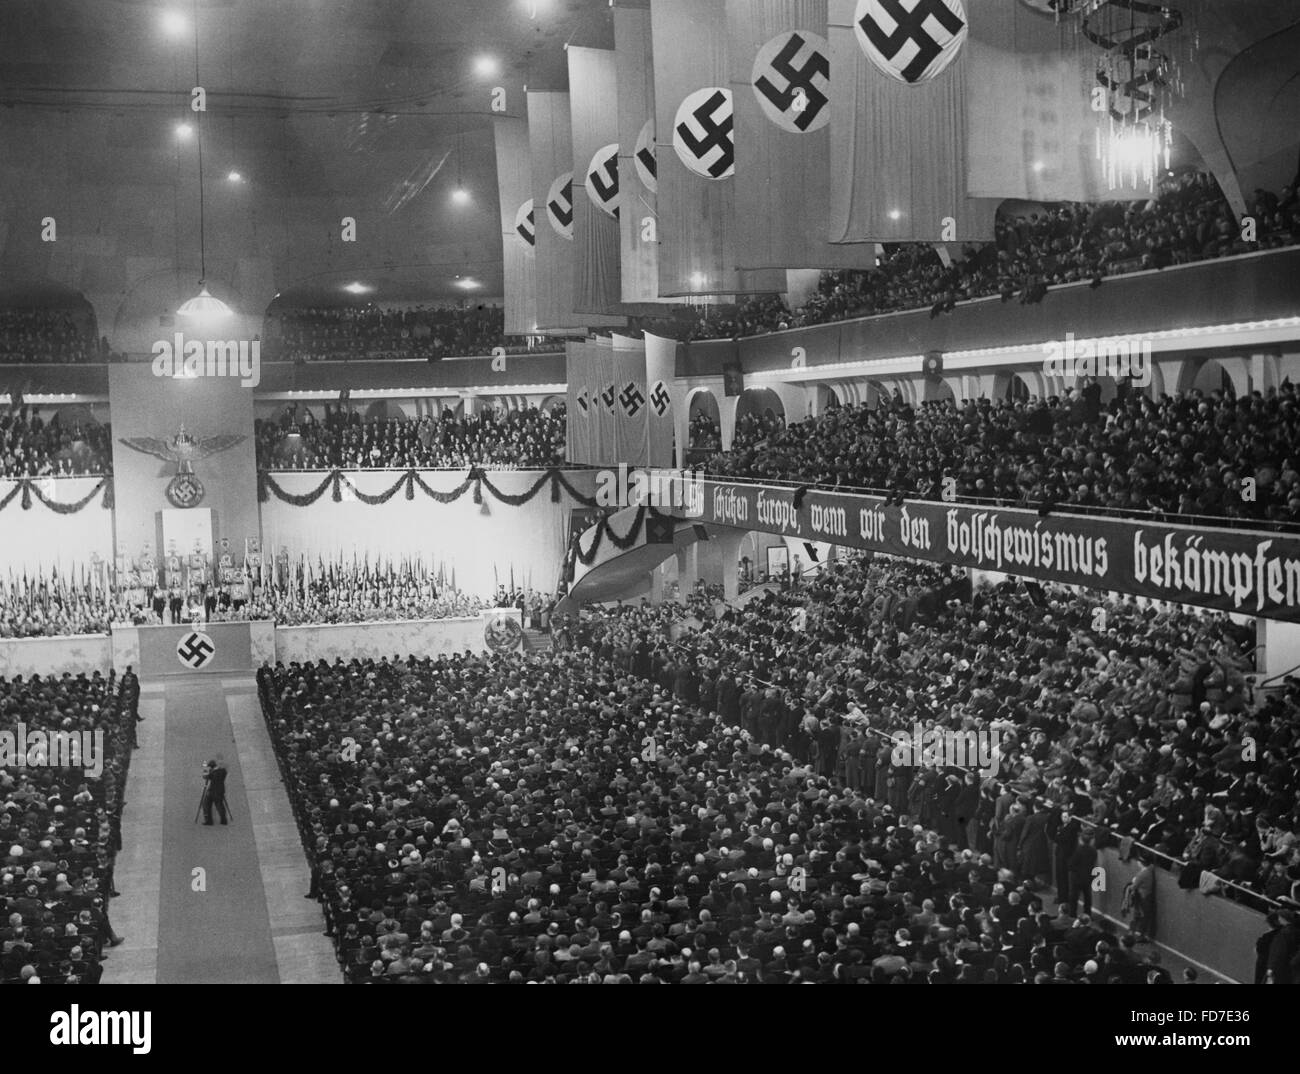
(203, 797)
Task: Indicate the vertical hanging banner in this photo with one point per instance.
(695, 148)
(781, 87)
(1030, 128)
(551, 146)
(631, 413)
(580, 416)
(597, 194)
(602, 376)
(637, 161)
(660, 371)
(518, 224)
(899, 80)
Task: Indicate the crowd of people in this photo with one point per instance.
(30, 446)
(646, 805)
(60, 826)
(1069, 242)
(350, 333)
(343, 601)
(509, 439)
(1189, 453)
(43, 605)
(39, 335)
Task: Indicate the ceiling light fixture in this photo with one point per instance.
(486, 66)
(203, 307)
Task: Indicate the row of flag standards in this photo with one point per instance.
(721, 143)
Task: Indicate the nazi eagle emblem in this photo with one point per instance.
(184, 489)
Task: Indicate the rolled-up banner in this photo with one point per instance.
(695, 146)
(518, 224)
(899, 80)
(780, 83)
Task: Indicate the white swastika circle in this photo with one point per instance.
(195, 650)
(704, 133)
(910, 40)
(792, 81)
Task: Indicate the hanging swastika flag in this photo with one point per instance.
(526, 224)
(602, 180)
(911, 40)
(631, 398)
(559, 205)
(704, 133)
(195, 650)
(792, 81)
(660, 399)
(647, 168)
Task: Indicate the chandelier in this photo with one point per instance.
(1138, 80)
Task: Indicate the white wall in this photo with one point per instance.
(54, 656)
(37, 539)
(424, 637)
(470, 538)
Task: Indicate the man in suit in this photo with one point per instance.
(214, 790)
(131, 702)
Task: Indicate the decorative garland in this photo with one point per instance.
(30, 488)
(606, 532)
(476, 480)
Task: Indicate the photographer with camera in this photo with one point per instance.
(214, 790)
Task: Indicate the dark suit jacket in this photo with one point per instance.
(216, 783)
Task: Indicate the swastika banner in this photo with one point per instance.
(633, 410)
(551, 144)
(780, 83)
(695, 153)
(597, 185)
(518, 224)
(661, 421)
(580, 417)
(900, 77)
(637, 161)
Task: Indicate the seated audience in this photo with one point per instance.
(32, 335)
(630, 808)
(510, 439)
(60, 830)
(349, 333)
(33, 447)
(1183, 454)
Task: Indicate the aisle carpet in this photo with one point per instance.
(223, 934)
